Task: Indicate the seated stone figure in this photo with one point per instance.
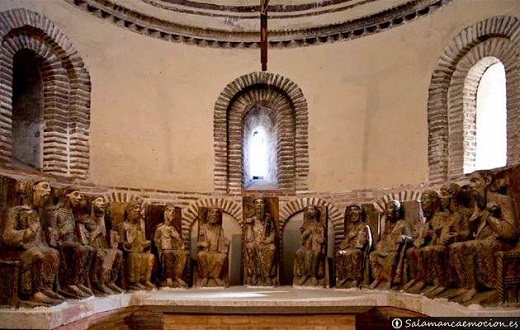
(260, 248)
(455, 229)
(426, 241)
(389, 250)
(353, 250)
(172, 251)
(496, 226)
(76, 256)
(108, 258)
(213, 249)
(139, 260)
(22, 235)
(309, 263)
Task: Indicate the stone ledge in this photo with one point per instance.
(245, 300)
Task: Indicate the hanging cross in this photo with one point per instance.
(263, 33)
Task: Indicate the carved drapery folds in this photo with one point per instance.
(451, 244)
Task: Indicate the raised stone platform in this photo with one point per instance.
(244, 300)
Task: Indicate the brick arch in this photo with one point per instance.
(335, 215)
(120, 197)
(450, 100)
(189, 215)
(67, 87)
(283, 96)
(402, 196)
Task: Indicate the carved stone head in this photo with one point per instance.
(393, 211)
(98, 205)
(71, 196)
(311, 213)
(169, 214)
(260, 207)
(214, 216)
(354, 213)
(41, 193)
(429, 203)
(133, 211)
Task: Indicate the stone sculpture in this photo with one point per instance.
(139, 261)
(496, 226)
(352, 255)
(108, 258)
(456, 229)
(389, 251)
(76, 254)
(260, 247)
(22, 235)
(172, 251)
(426, 242)
(309, 262)
(213, 249)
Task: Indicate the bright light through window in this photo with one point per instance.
(491, 151)
(258, 154)
(259, 149)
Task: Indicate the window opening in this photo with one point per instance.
(491, 148)
(260, 149)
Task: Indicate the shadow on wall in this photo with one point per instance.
(233, 232)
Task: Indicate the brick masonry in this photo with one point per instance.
(452, 95)
(66, 90)
(287, 100)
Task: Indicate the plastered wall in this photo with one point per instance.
(152, 101)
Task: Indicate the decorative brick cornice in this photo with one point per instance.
(146, 24)
(451, 103)
(66, 88)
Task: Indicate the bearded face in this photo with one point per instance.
(41, 193)
(478, 187)
(134, 212)
(260, 207)
(427, 205)
(169, 213)
(213, 216)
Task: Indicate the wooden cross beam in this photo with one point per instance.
(263, 33)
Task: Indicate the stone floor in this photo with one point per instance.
(245, 300)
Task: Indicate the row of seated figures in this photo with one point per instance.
(460, 243)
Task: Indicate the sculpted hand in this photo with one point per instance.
(28, 235)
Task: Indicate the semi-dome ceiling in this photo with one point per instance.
(235, 23)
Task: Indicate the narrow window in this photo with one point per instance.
(491, 129)
(259, 149)
(27, 117)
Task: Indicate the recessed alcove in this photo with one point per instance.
(233, 232)
(27, 110)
